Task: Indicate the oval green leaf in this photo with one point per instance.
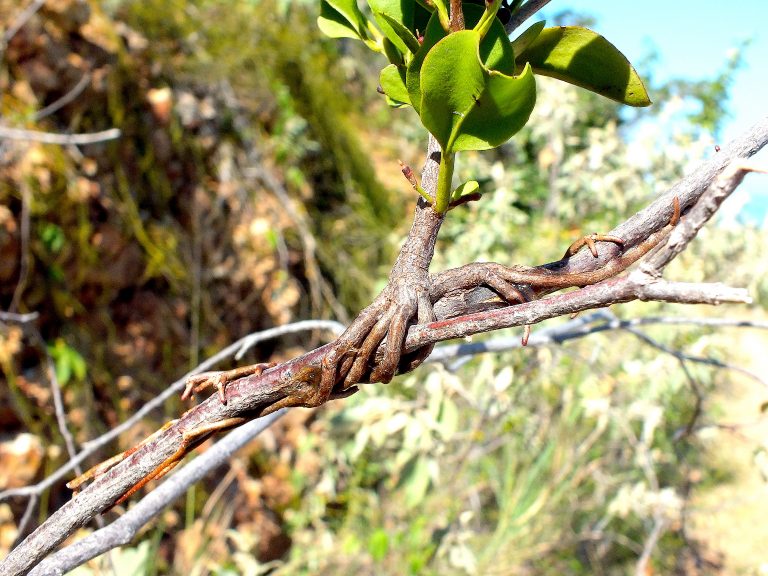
(582, 57)
(395, 18)
(405, 38)
(468, 187)
(495, 50)
(467, 106)
(342, 19)
(525, 39)
(432, 35)
(392, 80)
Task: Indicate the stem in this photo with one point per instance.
(442, 14)
(424, 194)
(488, 17)
(444, 180)
(457, 16)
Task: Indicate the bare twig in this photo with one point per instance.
(523, 13)
(659, 525)
(58, 402)
(26, 518)
(707, 322)
(683, 357)
(20, 22)
(61, 419)
(302, 326)
(26, 200)
(122, 530)
(61, 139)
(700, 214)
(18, 318)
(698, 405)
(602, 320)
(237, 348)
(69, 97)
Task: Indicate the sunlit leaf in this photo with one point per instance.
(525, 39)
(378, 544)
(341, 19)
(392, 80)
(432, 35)
(465, 105)
(495, 50)
(408, 40)
(395, 18)
(415, 480)
(67, 362)
(468, 187)
(584, 58)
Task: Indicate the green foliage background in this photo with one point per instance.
(149, 253)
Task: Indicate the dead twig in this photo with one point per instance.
(60, 139)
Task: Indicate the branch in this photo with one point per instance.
(683, 357)
(20, 22)
(638, 227)
(125, 528)
(601, 320)
(236, 350)
(700, 214)
(523, 13)
(251, 396)
(18, 318)
(68, 98)
(61, 139)
(613, 291)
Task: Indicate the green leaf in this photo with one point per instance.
(53, 237)
(395, 18)
(467, 106)
(449, 417)
(67, 362)
(442, 12)
(488, 17)
(342, 19)
(392, 80)
(378, 544)
(582, 57)
(522, 42)
(415, 480)
(432, 35)
(468, 187)
(495, 50)
(398, 34)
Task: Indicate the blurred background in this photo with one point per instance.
(255, 182)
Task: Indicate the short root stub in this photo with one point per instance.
(371, 349)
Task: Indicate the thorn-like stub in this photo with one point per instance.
(526, 335)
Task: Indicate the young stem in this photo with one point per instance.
(491, 8)
(444, 180)
(457, 16)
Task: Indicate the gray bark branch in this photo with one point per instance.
(249, 396)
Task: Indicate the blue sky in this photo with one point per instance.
(692, 40)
